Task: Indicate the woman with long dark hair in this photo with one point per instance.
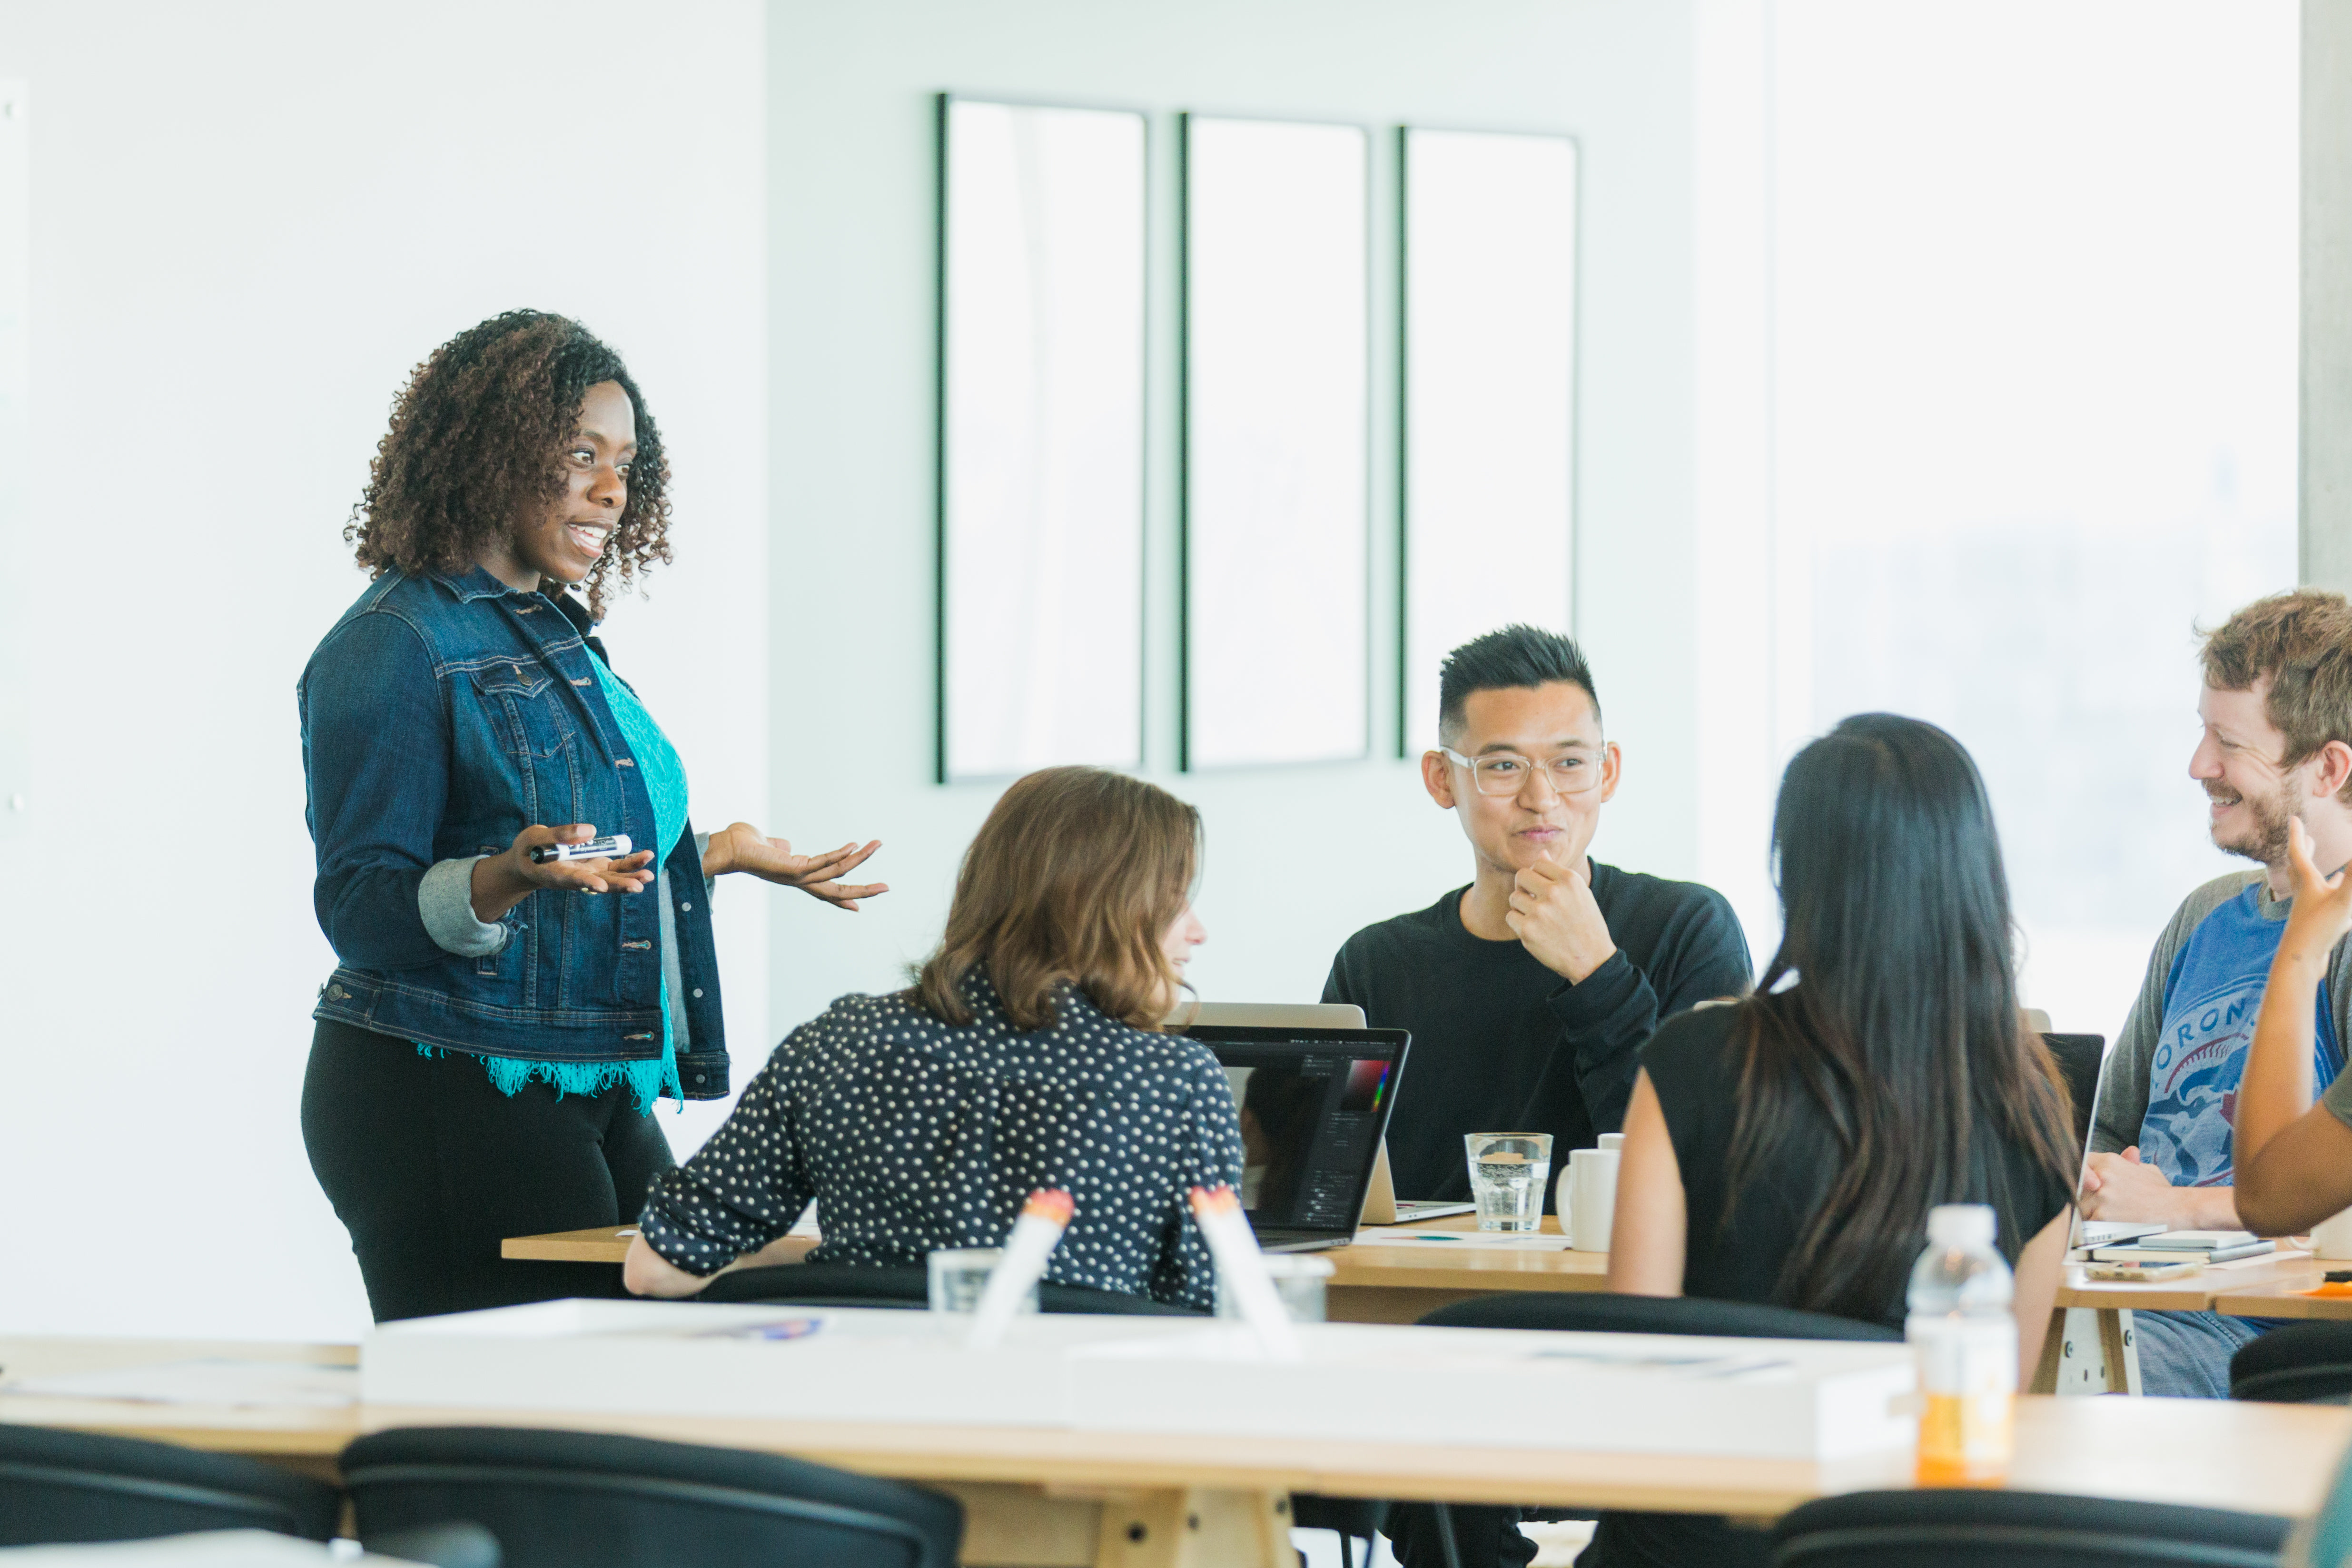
(1881, 1068)
(490, 1044)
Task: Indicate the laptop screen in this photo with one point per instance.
(1314, 1104)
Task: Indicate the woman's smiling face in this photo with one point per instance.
(565, 544)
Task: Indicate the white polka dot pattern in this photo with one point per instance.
(914, 1134)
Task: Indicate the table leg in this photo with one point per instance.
(1195, 1529)
(2120, 1345)
(2054, 1353)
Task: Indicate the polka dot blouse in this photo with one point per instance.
(914, 1134)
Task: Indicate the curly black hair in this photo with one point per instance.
(476, 441)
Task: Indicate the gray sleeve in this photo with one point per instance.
(701, 853)
(2337, 1096)
(446, 901)
(2123, 1081)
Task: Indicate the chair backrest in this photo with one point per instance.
(1602, 1312)
(856, 1285)
(2300, 1364)
(59, 1487)
(1962, 1528)
(587, 1499)
(824, 1285)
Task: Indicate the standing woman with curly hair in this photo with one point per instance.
(492, 1040)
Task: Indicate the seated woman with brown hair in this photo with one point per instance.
(1028, 1054)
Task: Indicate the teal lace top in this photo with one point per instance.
(665, 780)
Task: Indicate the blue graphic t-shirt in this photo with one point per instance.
(2210, 998)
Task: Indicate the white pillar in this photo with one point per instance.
(2326, 559)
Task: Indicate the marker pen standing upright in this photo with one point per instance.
(1035, 1236)
(1241, 1269)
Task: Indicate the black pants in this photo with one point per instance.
(430, 1168)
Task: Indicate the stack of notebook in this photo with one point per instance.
(2187, 1246)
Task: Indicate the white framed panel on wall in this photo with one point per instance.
(16, 306)
(1275, 417)
(1489, 390)
(1042, 277)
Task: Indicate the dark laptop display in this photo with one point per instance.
(1314, 1105)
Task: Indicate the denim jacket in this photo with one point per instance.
(440, 717)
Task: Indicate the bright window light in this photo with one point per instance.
(2034, 414)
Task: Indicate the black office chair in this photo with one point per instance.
(2301, 1364)
(63, 1487)
(587, 1499)
(1450, 1528)
(903, 1286)
(1601, 1311)
(1963, 1528)
(2079, 1056)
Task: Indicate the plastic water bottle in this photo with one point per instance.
(1965, 1339)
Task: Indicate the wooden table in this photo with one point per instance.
(2091, 1345)
(1053, 1498)
(2284, 1298)
(1370, 1284)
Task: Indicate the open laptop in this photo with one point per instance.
(1314, 1105)
(2079, 1057)
(1382, 1205)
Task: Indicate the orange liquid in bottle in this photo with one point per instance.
(1966, 1439)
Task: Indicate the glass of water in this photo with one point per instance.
(958, 1274)
(1508, 1172)
(1298, 1282)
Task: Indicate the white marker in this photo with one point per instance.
(611, 846)
(1035, 1236)
(1241, 1269)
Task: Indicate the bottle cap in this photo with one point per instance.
(1960, 1225)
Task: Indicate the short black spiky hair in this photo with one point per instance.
(1517, 656)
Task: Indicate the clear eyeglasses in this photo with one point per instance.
(1503, 773)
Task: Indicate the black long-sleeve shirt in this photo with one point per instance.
(1502, 1044)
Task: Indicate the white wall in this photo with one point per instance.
(248, 222)
(1298, 858)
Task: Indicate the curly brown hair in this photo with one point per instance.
(476, 441)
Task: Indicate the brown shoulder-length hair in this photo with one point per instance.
(477, 442)
(1072, 881)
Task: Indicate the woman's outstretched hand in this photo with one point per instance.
(2323, 904)
(503, 881)
(741, 846)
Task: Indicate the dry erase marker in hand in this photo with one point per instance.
(611, 846)
(1241, 1268)
(1035, 1236)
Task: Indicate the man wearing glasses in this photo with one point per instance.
(1530, 992)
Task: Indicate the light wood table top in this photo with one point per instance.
(1369, 1283)
(2194, 1292)
(2284, 1298)
(2268, 1458)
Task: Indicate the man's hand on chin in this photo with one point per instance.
(1554, 916)
(2126, 1187)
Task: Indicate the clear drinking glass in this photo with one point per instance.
(958, 1274)
(1298, 1281)
(1507, 1175)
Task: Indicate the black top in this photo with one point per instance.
(1502, 1044)
(915, 1134)
(1693, 1066)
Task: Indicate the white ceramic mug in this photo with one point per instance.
(1587, 1197)
(2331, 1237)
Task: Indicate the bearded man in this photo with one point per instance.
(2276, 745)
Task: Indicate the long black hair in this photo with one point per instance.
(1902, 1025)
